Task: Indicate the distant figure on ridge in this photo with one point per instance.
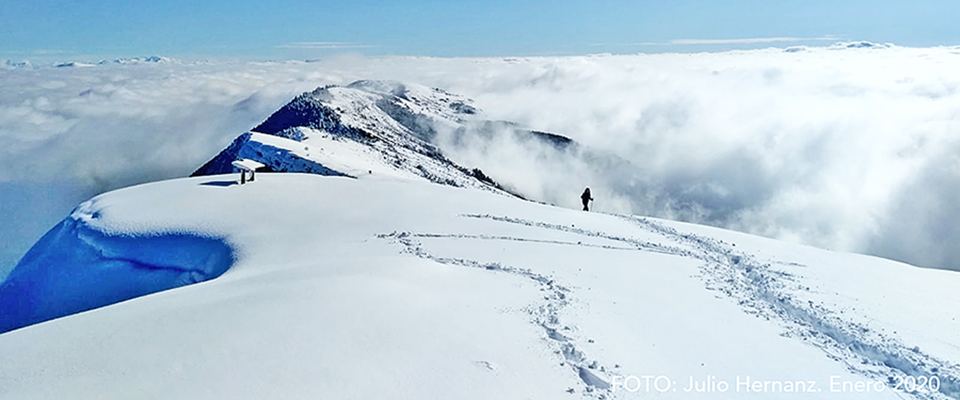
(586, 199)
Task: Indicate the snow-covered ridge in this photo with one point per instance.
(368, 128)
(11, 64)
(378, 287)
(855, 45)
(73, 64)
(863, 44)
(145, 60)
(138, 60)
(364, 128)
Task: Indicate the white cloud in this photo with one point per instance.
(851, 149)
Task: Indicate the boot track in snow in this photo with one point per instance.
(754, 285)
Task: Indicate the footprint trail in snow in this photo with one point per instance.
(756, 287)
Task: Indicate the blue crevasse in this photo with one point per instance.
(75, 267)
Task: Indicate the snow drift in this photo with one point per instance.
(77, 266)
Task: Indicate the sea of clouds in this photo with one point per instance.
(852, 149)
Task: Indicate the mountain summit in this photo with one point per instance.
(367, 127)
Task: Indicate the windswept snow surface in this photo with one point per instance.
(365, 127)
(86, 262)
(379, 287)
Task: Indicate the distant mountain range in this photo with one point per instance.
(11, 64)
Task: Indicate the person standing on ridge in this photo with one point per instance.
(586, 199)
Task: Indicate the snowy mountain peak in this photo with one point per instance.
(118, 61)
(73, 64)
(373, 108)
(138, 60)
(10, 64)
(860, 45)
(366, 127)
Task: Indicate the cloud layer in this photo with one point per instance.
(848, 149)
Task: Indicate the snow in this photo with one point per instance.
(247, 165)
(353, 274)
(364, 128)
(78, 266)
(688, 121)
(11, 64)
(123, 61)
(138, 60)
(394, 287)
(74, 64)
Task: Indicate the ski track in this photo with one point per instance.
(754, 285)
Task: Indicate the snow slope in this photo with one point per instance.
(78, 266)
(376, 127)
(392, 287)
(366, 126)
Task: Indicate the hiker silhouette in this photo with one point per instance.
(586, 199)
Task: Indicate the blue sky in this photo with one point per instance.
(300, 29)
